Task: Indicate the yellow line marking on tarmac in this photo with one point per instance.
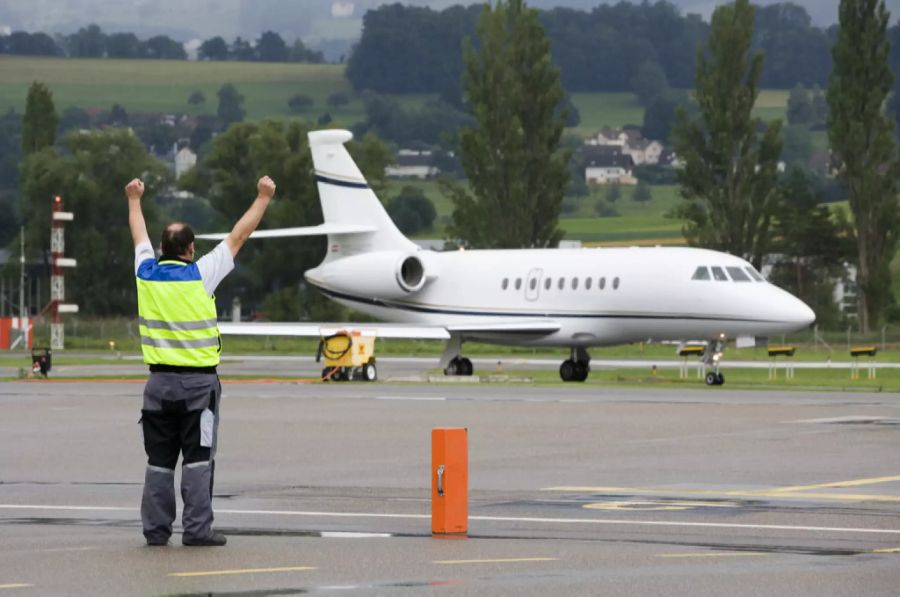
(15, 586)
(837, 484)
(887, 550)
(774, 493)
(716, 554)
(496, 561)
(243, 571)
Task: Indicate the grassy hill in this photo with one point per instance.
(165, 85)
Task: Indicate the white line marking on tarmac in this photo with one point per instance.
(15, 586)
(413, 398)
(497, 561)
(585, 521)
(349, 535)
(242, 571)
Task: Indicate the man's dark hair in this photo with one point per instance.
(176, 239)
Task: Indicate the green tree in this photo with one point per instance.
(213, 49)
(815, 245)
(516, 170)
(227, 176)
(40, 121)
(300, 102)
(800, 109)
(230, 104)
(90, 175)
(411, 211)
(730, 170)
(613, 193)
(270, 47)
(642, 193)
(863, 151)
(196, 98)
(372, 156)
(649, 81)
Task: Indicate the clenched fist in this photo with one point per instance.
(134, 189)
(266, 187)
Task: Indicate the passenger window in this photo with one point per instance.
(719, 274)
(561, 284)
(587, 283)
(574, 283)
(754, 274)
(505, 284)
(547, 283)
(737, 274)
(601, 284)
(533, 283)
(615, 283)
(702, 273)
(518, 283)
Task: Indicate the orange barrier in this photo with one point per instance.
(449, 481)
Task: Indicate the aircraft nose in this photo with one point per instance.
(801, 314)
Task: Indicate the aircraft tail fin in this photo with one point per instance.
(348, 201)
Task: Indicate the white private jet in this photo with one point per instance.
(570, 298)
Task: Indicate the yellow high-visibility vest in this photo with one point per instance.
(177, 317)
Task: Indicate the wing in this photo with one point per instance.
(388, 330)
(321, 229)
(316, 330)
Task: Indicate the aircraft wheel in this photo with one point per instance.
(720, 379)
(465, 366)
(712, 379)
(453, 367)
(567, 370)
(581, 371)
(369, 372)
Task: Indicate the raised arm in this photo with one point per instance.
(250, 220)
(134, 191)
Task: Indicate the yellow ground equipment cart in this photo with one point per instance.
(348, 355)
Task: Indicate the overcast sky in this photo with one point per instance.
(309, 19)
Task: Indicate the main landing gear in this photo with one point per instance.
(711, 359)
(452, 362)
(458, 366)
(576, 367)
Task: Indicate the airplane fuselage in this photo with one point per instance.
(598, 297)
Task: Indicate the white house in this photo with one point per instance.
(412, 163)
(185, 159)
(607, 164)
(644, 151)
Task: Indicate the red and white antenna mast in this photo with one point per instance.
(57, 279)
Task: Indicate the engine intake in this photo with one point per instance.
(411, 274)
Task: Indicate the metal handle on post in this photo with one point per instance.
(440, 480)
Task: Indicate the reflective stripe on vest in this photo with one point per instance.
(177, 318)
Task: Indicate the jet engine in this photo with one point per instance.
(383, 274)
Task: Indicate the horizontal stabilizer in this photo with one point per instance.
(319, 230)
(315, 330)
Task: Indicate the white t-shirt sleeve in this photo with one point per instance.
(214, 266)
(142, 253)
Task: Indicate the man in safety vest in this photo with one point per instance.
(180, 342)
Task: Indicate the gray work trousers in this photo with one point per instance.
(180, 415)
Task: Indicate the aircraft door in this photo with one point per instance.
(533, 284)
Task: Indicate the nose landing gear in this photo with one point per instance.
(711, 359)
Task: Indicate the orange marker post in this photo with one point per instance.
(449, 481)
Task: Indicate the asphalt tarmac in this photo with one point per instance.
(325, 488)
